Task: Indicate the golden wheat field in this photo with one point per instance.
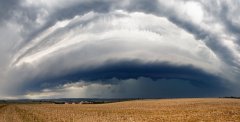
(132, 111)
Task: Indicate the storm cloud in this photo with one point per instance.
(128, 48)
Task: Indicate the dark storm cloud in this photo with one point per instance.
(124, 70)
(196, 81)
(210, 39)
(80, 9)
(213, 41)
(144, 6)
(141, 87)
(6, 9)
(226, 13)
(63, 14)
(167, 88)
(14, 11)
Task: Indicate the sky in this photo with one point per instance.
(119, 48)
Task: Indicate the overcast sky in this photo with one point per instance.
(119, 48)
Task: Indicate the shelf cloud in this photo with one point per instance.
(127, 48)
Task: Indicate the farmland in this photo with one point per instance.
(209, 109)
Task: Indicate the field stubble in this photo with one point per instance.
(140, 110)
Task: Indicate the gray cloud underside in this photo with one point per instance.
(161, 79)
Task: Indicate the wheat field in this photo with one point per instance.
(209, 109)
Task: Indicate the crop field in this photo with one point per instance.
(209, 109)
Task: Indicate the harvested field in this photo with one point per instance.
(138, 110)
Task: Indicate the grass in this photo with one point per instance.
(138, 110)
